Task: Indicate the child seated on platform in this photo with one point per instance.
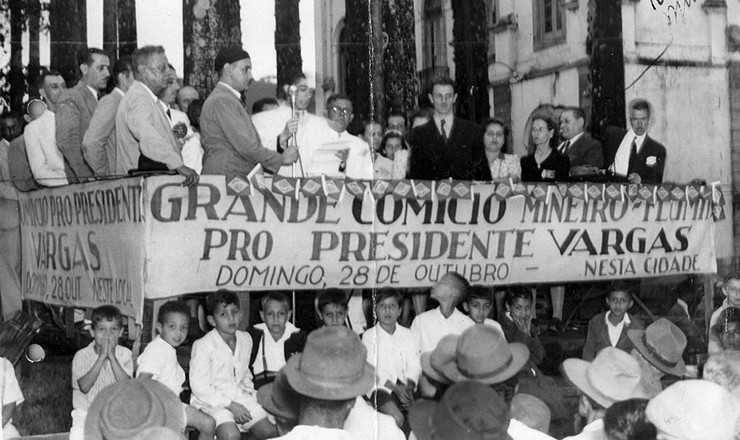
(331, 306)
(478, 306)
(275, 339)
(10, 397)
(609, 329)
(391, 349)
(219, 372)
(98, 365)
(159, 362)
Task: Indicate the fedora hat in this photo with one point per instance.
(332, 366)
(467, 411)
(483, 355)
(694, 410)
(612, 376)
(531, 411)
(662, 343)
(432, 361)
(125, 409)
(279, 399)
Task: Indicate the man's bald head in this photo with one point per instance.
(185, 96)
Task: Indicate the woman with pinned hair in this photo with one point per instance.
(502, 165)
(392, 160)
(545, 163)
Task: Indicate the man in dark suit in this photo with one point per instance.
(632, 153)
(446, 146)
(583, 151)
(75, 109)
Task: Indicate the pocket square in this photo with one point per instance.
(651, 161)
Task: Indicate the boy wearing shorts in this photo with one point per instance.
(98, 365)
(219, 373)
(159, 362)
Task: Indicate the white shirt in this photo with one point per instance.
(271, 123)
(394, 356)
(518, 431)
(616, 330)
(323, 161)
(592, 431)
(82, 362)
(192, 151)
(429, 327)
(274, 350)
(7, 189)
(364, 423)
(622, 157)
(303, 432)
(45, 159)
(160, 360)
(570, 142)
(449, 118)
(219, 376)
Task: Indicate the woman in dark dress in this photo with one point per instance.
(545, 163)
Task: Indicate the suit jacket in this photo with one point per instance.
(99, 142)
(461, 157)
(231, 145)
(598, 335)
(20, 169)
(585, 151)
(143, 127)
(650, 173)
(74, 110)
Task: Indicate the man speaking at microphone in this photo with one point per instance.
(292, 124)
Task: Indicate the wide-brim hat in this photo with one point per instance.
(126, 408)
(332, 366)
(611, 377)
(432, 361)
(279, 399)
(662, 343)
(483, 355)
(694, 410)
(531, 411)
(467, 411)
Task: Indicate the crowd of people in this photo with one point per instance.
(454, 373)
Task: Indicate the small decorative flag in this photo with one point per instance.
(257, 179)
(286, 186)
(423, 189)
(332, 187)
(444, 189)
(356, 188)
(402, 189)
(462, 189)
(595, 191)
(238, 187)
(540, 191)
(663, 192)
(503, 191)
(311, 186)
(646, 193)
(380, 188)
(614, 191)
(577, 191)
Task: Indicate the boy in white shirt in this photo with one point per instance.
(275, 339)
(11, 398)
(478, 306)
(392, 350)
(219, 373)
(98, 365)
(159, 362)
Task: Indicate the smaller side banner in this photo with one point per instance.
(83, 245)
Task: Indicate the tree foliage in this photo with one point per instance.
(208, 25)
(399, 57)
(287, 40)
(68, 26)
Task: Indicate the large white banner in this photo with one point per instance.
(205, 238)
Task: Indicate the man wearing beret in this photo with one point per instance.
(231, 145)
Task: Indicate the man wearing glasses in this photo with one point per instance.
(632, 154)
(446, 146)
(277, 127)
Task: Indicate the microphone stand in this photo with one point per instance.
(293, 142)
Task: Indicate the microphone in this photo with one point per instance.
(292, 90)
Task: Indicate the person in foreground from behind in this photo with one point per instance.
(694, 410)
(626, 420)
(98, 365)
(219, 373)
(10, 397)
(136, 409)
(467, 411)
(159, 362)
(330, 374)
(659, 351)
(611, 377)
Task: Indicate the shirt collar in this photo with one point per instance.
(626, 320)
(151, 94)
(638, 139)
(575, 138)
(94, 92)
(119, 91)
(233, 90)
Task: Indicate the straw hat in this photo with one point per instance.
(468, 411)
(444, 352)
(694, 410)
(125, 409)
(483, 355)
(332, 366)
(662, 343)
(612, 376)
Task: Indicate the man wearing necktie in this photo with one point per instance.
(632, 154)
(447, 146)
(583, 151)
(76, 107)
